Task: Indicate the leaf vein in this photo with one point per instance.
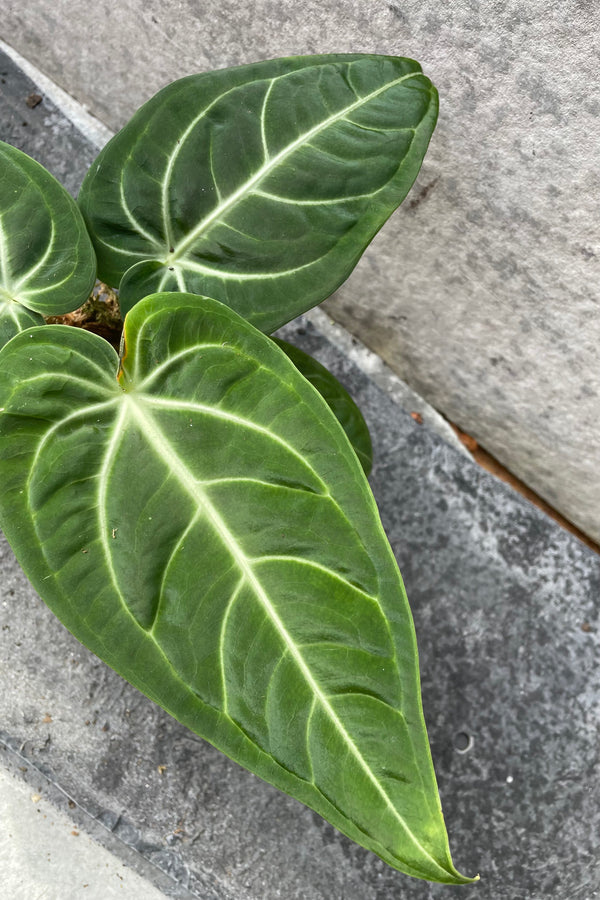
(222, 632)
(165, 403)
(273, 161)
(316, 565)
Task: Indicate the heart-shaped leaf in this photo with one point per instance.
(337, 399)
(261, 185)
(47, 262)
(203, 525)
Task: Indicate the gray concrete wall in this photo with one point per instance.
(482, 292)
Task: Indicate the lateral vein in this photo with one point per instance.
(273, 161)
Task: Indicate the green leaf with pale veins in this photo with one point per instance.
(47, 262)
(338, 400)
(203, 525)
(261, 185)
(15, 318)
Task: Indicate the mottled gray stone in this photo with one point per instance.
(506, 611)
(482, 292)
(44, 855)
(42, 132)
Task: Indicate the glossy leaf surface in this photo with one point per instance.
(203, 525)
(15, 318)
(47, 262)
(261, 185)
(337, 399)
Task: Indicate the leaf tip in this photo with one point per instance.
(458, 878)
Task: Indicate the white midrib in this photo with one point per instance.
(165, 451)
(5, 278)
(9, 306)
(272, 163)
(12, 286)
(103, 524)
(18, 285)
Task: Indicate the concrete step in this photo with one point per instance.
(506, 609)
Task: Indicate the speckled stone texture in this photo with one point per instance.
(506, 611)
(41, 130)
(482, 293)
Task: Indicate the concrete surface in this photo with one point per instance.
(43, 131)
(482, 293)
(506, 606)
(45, 856)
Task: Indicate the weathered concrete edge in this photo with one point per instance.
(111, 831)
(92, 128)
(374, 368)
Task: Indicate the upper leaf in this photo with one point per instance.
(47, 262)
(204, 526)
(261, 185)
(337, 399)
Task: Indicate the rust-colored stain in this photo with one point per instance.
(491, 464)
(33, 100)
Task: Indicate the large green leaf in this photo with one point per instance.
(259, 185)
(47, 262)
(202, 524)
(338, 400)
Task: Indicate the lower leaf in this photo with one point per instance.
(203, 525)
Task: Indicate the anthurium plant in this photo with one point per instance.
(195, 508)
